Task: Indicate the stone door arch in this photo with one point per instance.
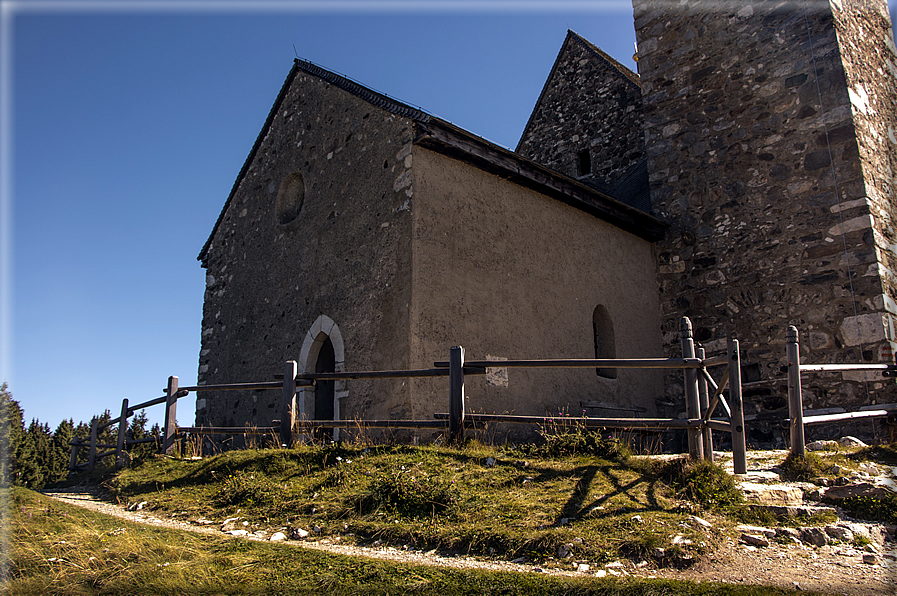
(322, 349)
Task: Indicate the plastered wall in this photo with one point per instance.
(509, 273)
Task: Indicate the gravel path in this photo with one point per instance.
(828, 569)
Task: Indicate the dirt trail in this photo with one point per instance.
(826, 569)
(836, 568)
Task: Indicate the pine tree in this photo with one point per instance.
(62, 437)
(28, 470)
(82, 431)
(137, 431)
(11, 434)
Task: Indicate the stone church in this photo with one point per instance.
(744, 177)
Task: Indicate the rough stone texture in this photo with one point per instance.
(756, 530)
(839, 533)
(869, 56)
(755, 540)
(814, 536)
(863, 489)
(268, 282)
(851, 442)
(778, 188)
(822, 446)
(592, 103)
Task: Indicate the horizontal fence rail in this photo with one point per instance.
(561, 421)
(649, 363)
(845, 367)
(798, 418)
(703, 395)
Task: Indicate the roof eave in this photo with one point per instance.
(447, 139)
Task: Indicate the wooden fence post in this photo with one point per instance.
(288, 404)
(706, 433)
(92, 457)
(692, 402)
(73, 464)
(739, 445)
(171, 408)
(456, 394)
(795, 399)
(120, 442)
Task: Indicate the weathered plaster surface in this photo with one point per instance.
(494, 271)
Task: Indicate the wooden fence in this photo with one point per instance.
(699, 421)
(798, 418)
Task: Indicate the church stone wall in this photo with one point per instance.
(346, 256)
(754, 162)
(589, 103)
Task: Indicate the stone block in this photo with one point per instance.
(814, 536)
(863, 489)
(864, 222)
(755, 540)
(772, 494)
(756, 530)
(822, 446)
(865, 329)
(839, 533)
(851, 442)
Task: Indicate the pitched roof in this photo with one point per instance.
(574, 38)
(442, 136)
(633, 77)
(369, 95)
(457, 143)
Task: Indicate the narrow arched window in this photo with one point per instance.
(605, 347)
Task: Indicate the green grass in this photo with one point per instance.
(884, 454)
(881, 508)
(806, 468)
(433, 497)
(814, 466)
(60, 549)
(573, 488)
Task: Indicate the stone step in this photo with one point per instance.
(782, 495)
(794, 510)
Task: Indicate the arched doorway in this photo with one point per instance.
(322, 351)
(326, 363)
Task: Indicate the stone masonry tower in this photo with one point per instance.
(771, 134)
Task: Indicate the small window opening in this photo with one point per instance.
(624, 99)
(290, 197)
(585, 162)
(605, 347)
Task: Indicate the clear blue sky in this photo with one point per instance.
(126, 123)
(130, 126)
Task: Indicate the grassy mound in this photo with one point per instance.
(59, 549)
(473, 500)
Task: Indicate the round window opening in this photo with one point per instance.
(289, 198)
